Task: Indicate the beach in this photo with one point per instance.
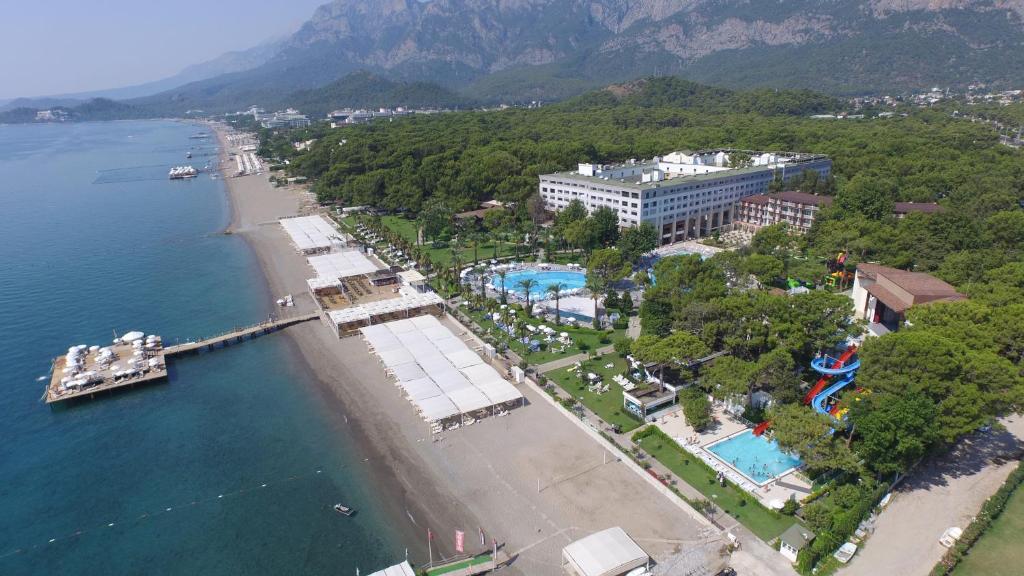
(534, 480)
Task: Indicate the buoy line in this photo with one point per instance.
(161, 512)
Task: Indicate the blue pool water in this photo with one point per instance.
(544, 278)
(756, 457)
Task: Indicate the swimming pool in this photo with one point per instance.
(544, 278)
(759, 459)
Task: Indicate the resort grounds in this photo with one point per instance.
(534, 480)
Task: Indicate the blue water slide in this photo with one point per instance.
(823, 365)
(842, 382)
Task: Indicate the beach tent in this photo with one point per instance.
(437, 408)
(469, 399)
(421, 389)
(464, 358)
(408, 371)
(403, 569)
(610, 552)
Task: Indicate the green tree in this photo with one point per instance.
(894, 430)
(604, 268)
(605, 223)
(527, 285)
(502, 274)
(729, 376)
(809, 434)
(867, 193)
(626, 303)
(636, 241)
(696, 408)
(771, 240)
(555, 290)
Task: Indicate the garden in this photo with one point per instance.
(607, 405)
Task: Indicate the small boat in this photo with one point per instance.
(189, 155)
(341, 509)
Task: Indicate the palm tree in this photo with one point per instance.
(555, 290)
(527, 284)
(501, 275)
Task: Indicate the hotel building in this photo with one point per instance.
(685, 195)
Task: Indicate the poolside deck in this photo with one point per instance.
(786, 486)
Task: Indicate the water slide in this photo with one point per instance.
(762, 427)
(836, 375)
(838, 366)
(820, 401)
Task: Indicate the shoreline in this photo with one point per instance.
(535, 480)
(254, 204)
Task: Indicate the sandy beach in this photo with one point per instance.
(533, 480)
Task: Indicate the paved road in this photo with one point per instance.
(943, 493)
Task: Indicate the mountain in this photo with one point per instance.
(227, 63)
(509, 50)
(365, 90)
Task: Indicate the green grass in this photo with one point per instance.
(443, 256)
(608, 405)
(459, 566)
(765, 523)
(998, 552)
(587, 336)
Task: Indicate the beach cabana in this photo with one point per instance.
(610, 552)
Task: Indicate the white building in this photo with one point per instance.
(685, 195)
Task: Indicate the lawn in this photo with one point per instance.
(998, 552)
(608, 405)
(443, 256)
(587, 336)
(765, 523)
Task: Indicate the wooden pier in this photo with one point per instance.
(54, 392)
(239, 334)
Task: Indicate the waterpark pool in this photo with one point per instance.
(759, 459)
(544, 278)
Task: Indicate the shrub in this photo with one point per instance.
(696, 408)
(790, 507)
(622, 345)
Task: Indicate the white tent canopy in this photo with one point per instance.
(341, 264)
(610, 552)
(403, 569)
(438, 372)
(311, 233)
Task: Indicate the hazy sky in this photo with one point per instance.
(60, 46)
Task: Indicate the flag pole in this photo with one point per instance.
(430, 549)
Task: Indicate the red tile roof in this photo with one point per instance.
(907, 207)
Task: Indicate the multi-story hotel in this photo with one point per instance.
(684, 195)
(796, 209)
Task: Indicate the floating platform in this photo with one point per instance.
(158, 371)
(55, 393)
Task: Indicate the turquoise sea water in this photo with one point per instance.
(96, 239)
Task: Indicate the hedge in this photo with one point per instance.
(827, 542)
(991, 510)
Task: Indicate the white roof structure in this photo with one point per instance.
(411, 276)
(392, 305)
(610, 552)
(321, 282)
(403, 569)
(439, 374)
(341, 264)
(311, 233)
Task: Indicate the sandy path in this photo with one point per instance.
(484, 476)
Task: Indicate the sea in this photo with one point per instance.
(232, 465)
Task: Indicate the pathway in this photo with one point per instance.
(570, 360)
(939, 494)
